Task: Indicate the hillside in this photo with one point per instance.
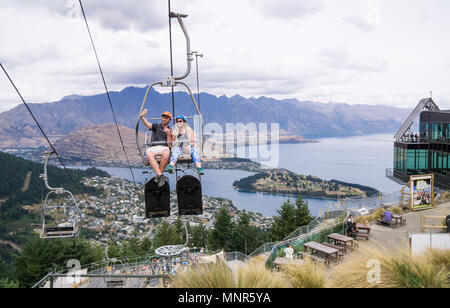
(98, 143)
(20, 185)
(281, 181)
(308, 119)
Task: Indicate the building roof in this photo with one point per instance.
(426, 103)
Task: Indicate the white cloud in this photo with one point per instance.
(288, 9)
(374, 52)
(340, 59)
(365, 18)
(360, 22)
(115, 15)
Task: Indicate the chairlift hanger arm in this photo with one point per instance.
(45, 174)
(189, 59)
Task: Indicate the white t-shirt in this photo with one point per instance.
(289, 253)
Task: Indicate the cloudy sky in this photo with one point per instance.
(390, 52)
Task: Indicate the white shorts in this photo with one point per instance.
(158, 150)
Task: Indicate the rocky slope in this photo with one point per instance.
(98, 143)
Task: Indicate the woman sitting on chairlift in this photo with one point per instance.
(183, 141)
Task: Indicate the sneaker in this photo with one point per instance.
(200, 171)
(170, 169)
(161, 180)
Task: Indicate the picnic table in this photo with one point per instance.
(365, 229)
(397, 218)
(328, 251)
(339, 238)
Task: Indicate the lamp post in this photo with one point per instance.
(197, 54)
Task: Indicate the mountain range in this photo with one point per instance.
(298, 118)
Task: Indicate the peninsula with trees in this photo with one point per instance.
(285, 182)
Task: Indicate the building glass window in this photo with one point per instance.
(422, 160)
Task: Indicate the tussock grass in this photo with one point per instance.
(255, 275)
(206, 276)
(439, 257)
(377, 214)
(308, 275)
(396, 210)
(398, 269)
(445, 197)
(363, 219)
(252, 275)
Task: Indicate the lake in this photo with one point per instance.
(360, 160)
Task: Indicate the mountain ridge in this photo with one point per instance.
(308, 119)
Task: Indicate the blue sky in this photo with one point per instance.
(354, 51)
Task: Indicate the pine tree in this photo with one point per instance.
(166, 234)
(302, 214)
(222, 231)
(285, 222)
(146, 246)
(245, 237)
(5, 283)
(290, 218)
(39, 257)
(181, 230)
(199, 236)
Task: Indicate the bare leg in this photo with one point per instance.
(153, 163)
(164, 160)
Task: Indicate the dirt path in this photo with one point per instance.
(13, 245)
(26, 184)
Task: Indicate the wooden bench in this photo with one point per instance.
(363, 235)
(397, 221)
(364, 228)
(340, 248)
(315, 258)
(384, 222)
(326, 250)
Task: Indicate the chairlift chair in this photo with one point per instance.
(157, 199)
(69, 229)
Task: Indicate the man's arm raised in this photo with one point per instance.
(144, 120)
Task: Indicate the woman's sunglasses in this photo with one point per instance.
(180, 121)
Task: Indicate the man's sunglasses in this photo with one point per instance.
(165, 117)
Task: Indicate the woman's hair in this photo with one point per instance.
(176, 129)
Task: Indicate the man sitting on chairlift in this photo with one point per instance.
(159, 144)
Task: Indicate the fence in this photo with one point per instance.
(128, 272)
(337, 211)
(317, 231)
(330, 221)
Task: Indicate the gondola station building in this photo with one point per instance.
(426, 152)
